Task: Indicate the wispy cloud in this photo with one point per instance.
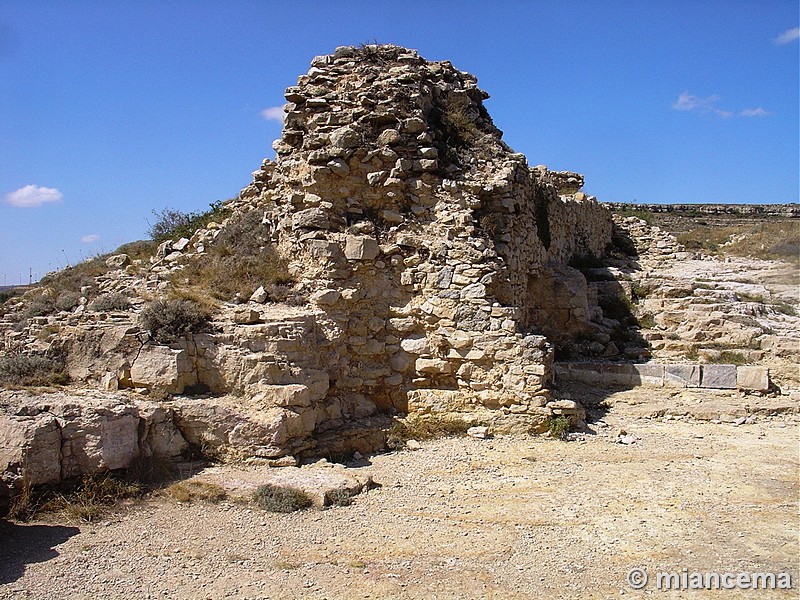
(754, 112)
(788, 36)
(688, 102)
(33, 195)
(88, 239)
(273, 113)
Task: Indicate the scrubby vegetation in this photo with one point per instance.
(241, 260)
(193, 491)
(772, 240)
(171, 224)
(282, 500)
(558, 426)
(169, 320)
(89, 499)
(424, 427)
(112, 301)
(31, 370)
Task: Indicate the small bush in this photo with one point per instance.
(31, 370)
(558, 426)
(7, 295)
(25, 504)
(338, 498)
(109, 302)
(94, 495)
(67, 300)
(279, 499)
(424, 427)
(173, 224)
(40, 306)
(191, 491)
(644, 215)
(169, 320)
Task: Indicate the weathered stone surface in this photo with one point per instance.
(118, 261)
(260, 295)
(326, 483)
(752, 378)
(682, 375)
(361, 248)
(718, 376)
(160, 367)
(51, 438)
(420, 270)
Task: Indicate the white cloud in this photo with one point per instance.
(754, 112)
(704, 105)
(273, 113)
(88, 239)
(33, 195)
(787, 36)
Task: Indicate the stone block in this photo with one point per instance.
(160, 367)
(719, 377)
(361, 248)
(326, 297)
(433, 366)
(650, 374)
(752, 378)
(682, 375)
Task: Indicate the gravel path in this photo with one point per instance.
(462, 518)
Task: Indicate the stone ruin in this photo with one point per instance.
(435, 259)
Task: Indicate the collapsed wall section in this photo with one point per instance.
(421, 232)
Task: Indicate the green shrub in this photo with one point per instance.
(31, 370)
(169, 320)
(558, 426)
(7, 295)
(173, 224)
(109, 302)
(67, 300)
(280, 499)
(40, 306)
(729, 357)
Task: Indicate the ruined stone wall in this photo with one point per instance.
(435, 259)
(396, 201)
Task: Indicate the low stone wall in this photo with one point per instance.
(726, 377)
(776, 210)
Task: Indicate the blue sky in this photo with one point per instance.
(111, 109)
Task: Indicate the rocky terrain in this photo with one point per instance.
(400, 273)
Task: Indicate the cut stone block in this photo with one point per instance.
(682, 375)
(753, 378)
(650, 374)
(719, 377)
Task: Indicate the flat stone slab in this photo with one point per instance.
(682, 375)
(321, 480)
(721, 377)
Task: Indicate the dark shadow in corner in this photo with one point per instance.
(21, 545)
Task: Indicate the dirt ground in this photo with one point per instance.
(511, 517)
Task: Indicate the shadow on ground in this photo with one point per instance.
(22, 544)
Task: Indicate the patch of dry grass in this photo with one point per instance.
(424, 427)
(768, 240)
(196, 491)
